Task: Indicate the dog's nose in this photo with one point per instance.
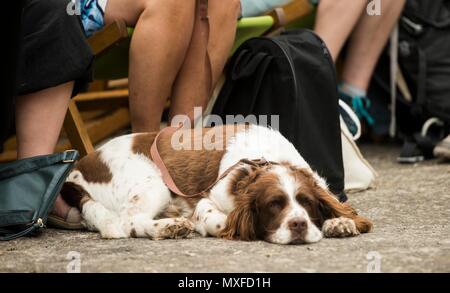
(298, 225)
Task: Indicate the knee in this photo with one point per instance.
(229, 9)
(174, 10)
(235, 7)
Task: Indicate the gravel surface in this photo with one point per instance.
(410, 208)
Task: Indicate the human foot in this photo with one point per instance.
(64, 217)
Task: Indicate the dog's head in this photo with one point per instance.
(281, 204)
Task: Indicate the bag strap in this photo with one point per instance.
(34, 227)
(33, 164)
(204, 17)
(417, 109)
(393, 74)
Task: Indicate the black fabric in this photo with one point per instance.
(292, 76)
(54, 48)
(425, 56)
(11, 25)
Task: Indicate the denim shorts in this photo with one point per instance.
(92, 15)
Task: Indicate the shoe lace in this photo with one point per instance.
(360, 106)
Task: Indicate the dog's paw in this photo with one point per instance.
(175, 229)
(113, 232)
(339, 228)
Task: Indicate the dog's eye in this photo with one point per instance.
(276, 204)
(304, 200)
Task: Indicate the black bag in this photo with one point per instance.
(292, 76)
(28, 190)
(424, 56)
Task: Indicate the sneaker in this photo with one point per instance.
(360, 106)
(411, 153)
(442, 150)
(350, 119)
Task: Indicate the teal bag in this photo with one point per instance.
(28, 190)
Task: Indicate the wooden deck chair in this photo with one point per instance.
(111, 47)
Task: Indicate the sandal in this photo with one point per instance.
(442, 150)
(71, 222)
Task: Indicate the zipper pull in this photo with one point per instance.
(415, 29)
(40, 223)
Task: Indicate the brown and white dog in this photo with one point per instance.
(121, 193)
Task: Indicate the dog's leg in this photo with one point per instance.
(339, 228)
(101, 219)
(208, 219)
(141, 226)
(141, 209)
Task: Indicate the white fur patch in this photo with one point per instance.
(129, 204)
(283, 235)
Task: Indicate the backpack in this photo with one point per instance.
(424, 56)
(292, 76)
(423, 109)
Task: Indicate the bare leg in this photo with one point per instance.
(163, 30)
(367, 43)
(39, 118)
(190, 89)
(336, 20)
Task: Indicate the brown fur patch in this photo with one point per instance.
(260, 204)
(192, 170)
(142, 143)
(94, 169)
(75, 195)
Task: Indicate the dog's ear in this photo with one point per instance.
(330, 207)
(240, 223)
(242, 180)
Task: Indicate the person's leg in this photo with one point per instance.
(367, 43)
(163, 30)
(190, 89)
(335, 20)
(39, 118)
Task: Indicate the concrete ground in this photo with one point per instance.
(410, 209)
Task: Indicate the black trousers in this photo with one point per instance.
(54, 48)
(46, 47)
(11, 22)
